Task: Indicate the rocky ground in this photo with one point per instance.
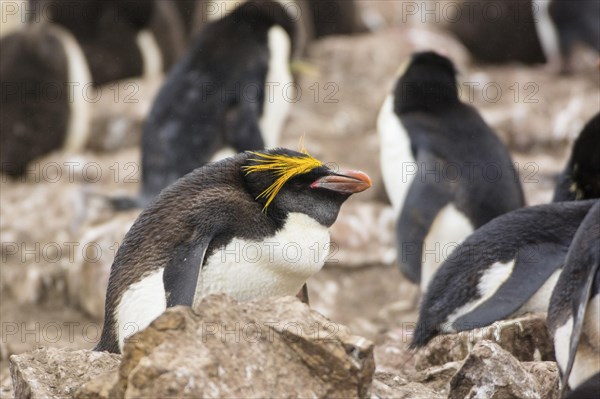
(59, 239)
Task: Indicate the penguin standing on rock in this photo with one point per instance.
(506, 268)
(444, 169)
(225, 96)
(574, 311)
(254, 225)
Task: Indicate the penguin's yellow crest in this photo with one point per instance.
(283, 166)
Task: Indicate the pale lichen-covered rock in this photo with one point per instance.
(547, 376)
(51, 372)
(526, 338)
(269, 348)
(491, 372)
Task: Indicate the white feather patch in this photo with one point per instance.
(79, 86)
(398, 166)
(279, 87)
(276, 266)
(587, 359)
(489, 283)
(143, 302)
(449, 228)
(223, 153)
(545, 29)
(151, 55)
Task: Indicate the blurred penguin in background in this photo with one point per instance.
(577, 23)
(43, 108)
(120, 39)
(52, 57)
(225, 96)
(529, 31)
(434, 153)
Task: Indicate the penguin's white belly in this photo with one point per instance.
(398, 166)
(449, 228)
(587, 361)
(143, 302)
(279, 87)
(276, 266)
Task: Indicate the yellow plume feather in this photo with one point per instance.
(284, 167)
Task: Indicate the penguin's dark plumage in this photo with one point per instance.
(507, 36)
(225, 227)
(216, 98)
(503, 269)
(574, 311)
(41, 109)
(575, 22)
(435, 151)
(581, 177)
(115, 35)
(588, 390)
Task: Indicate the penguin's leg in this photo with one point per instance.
(303, 294)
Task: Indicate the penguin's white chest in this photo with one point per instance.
(398, 166)
(276, 266)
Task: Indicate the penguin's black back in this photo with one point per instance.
(576, 21)
(35, 106)
(208, 96)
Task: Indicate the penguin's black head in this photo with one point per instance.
(284, 181)
(264, 14)
(585, 162)
(427, 81)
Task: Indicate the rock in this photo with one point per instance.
(51, 372)
(437, 378)
(547, 376)
(491, 372)
(526, 338)
(412, 390)
(269, 348)
(100, 387)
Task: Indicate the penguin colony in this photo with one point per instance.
(214, 179)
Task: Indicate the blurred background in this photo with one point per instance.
(59, 236)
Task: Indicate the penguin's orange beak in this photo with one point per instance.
(344, 182)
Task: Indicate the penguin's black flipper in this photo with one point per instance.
(533, 266)
(181, 273)
(578, 277)
(425, 198)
